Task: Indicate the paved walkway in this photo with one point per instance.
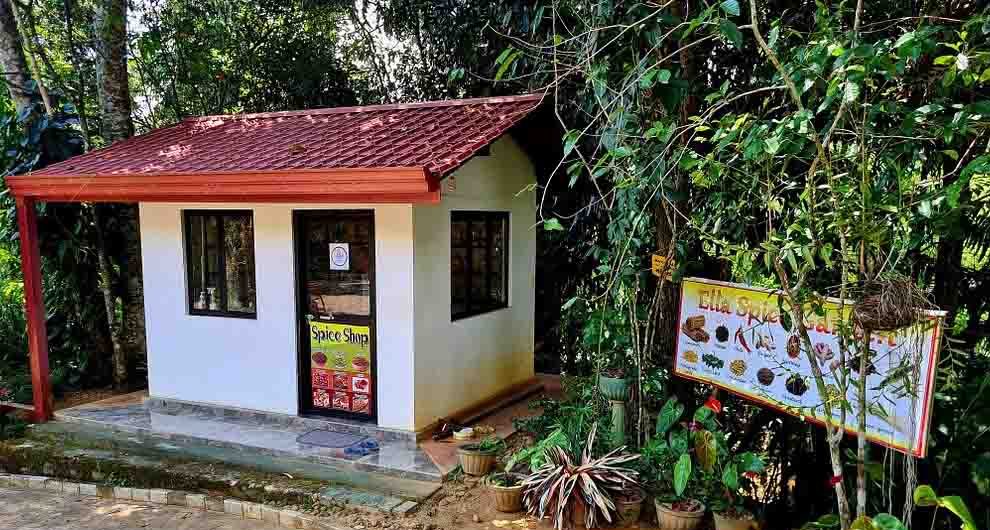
(42, 510)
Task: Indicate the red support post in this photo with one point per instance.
(34, 302)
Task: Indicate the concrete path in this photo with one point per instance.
(42, 510)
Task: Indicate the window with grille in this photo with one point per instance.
(479, 262)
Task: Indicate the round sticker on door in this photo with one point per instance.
(340, 256)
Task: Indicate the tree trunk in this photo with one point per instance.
(12, 58)
(110, 302)
(669, 209)
(110, 28)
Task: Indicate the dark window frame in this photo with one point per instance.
(490, 218)
(222, 257)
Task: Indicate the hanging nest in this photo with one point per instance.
(888, 304)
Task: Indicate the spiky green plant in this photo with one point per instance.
(560, 487)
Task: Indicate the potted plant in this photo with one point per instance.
(607, 332)
(478, 459)
(506, 488)
(685, 514)
(629, 505)
(578, 490)
(734, 518)
(613, 383)
(694, 459)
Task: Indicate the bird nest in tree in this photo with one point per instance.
(888, 304)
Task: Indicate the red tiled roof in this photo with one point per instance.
(318, 148)
(438, 136)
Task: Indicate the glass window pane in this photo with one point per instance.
(339, 289)
(479, 234)
(458, 233)
(197, 263)
(479, 260)
(479, 253)
(239, 263)
(497, 285)
(220, 269)
(212, 256)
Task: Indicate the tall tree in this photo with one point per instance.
(110, 29)
(128, 335)
(12, 58)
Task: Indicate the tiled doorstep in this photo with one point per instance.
(248, 510)
(395, 458)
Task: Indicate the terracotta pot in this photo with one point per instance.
(474, 462)
(614, 388)
(508, 499)
(669, 519)
(726, 522)
(578, 515)
(629, 509)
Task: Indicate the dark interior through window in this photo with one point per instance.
(479, 262)
(220, 263)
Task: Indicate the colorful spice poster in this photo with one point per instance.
(732, 336)
(340, 364)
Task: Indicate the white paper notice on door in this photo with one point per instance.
(340, 256)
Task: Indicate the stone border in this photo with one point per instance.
(248, 510)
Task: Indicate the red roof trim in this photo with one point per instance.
(392, 185)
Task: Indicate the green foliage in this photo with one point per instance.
(534, 456)
(31, 141)
(216, 57)
(693, 459)
(11, 426)
(568, 482)
(489, 444)
(682, 473)
(924, 496)
(571, 417)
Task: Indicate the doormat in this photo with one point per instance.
(331, 439)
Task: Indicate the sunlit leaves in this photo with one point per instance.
(570, 141)
(925, 495)
(731, 32)
(669, 414)
(750, 463)
(705, 450)
(886, 521)
(773, 36)
(505, 61)
(682, 472)
(730, 477)
(850, 92)
(731, 7)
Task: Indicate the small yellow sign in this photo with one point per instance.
(661, 268)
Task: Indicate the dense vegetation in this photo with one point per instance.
(811, 146)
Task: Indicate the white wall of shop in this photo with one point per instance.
(461, 363)
(252, 363)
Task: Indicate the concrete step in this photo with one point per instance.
(352, 473)
(257, 434)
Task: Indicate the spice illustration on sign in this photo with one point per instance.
(340, 357)
(765, 361)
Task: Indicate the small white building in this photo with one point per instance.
(370, 263)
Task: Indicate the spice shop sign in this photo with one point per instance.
(340, 367)
(731, 336)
